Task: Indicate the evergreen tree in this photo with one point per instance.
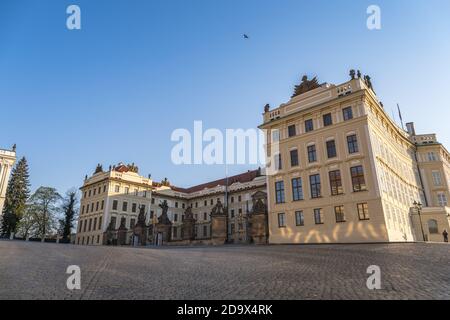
(17, 193)
(70, 211)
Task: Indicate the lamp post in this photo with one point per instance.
(418, 207)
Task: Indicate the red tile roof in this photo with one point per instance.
(242, 178)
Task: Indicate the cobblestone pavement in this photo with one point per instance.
(408, 271)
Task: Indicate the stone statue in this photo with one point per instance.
(259, 207)
(358, 74)
(352, 74)
(14, 147)
(305, 86)
(98, 169)
(133, 168)
(368, 81)
(267, 108)
(165, 183)
(188, 214)
(164, 218)
(142, 216)
(218, 209)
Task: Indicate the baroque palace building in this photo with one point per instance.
(115, 202)
(7, 160)
(342, 171)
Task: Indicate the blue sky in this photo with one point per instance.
(116, 89)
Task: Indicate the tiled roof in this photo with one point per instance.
(242, 178)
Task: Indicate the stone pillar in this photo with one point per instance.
(218, 229)
(122, 233)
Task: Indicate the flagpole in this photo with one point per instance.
(400, 115)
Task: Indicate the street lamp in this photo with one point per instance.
(418, 207)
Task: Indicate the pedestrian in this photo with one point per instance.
(445, 234)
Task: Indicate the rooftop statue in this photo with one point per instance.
(267, 108)
(305, 86)
(98, 169)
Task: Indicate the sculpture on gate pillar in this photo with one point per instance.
(188, 225)
(164, 225)
(258, 219)
(219, 221)
(140, 230)
(110, 235)
(122, 233)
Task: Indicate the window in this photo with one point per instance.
(278, 164)
(104, 188)
(99, 223)
(95, 191)
(363, 211)
(339, 213)
(309, 125)
(144, 194)
(117, 189)
(299, 218)
(294, 158)
(205, 231)
(432, 156)
(291, 131)
(437, 178)
(205, 203)
(176, 204)
(281, 220)
(89, 193)
(433, 226)
(336, 182)
(297, 189)
(275, 135)
(196, 204)
(103, 204)
(239, 198)
(85, 226)
(232, 199)
(331, 149)
(318, 217)
(442, 200)
(205, 216)
(327, 120)
(136, 192)
(124, 206)
(347, 113)
(279, 191)
(352, 143)
(82, 210)
(133, 207)
(81, 226)
(97, 205)
(314, 182)
(312, 155)
(232, 213)
(358, 180)
(212, 201)
(175, 217)
(90, 225)
(127, 190)
(183, 205)
(132, 223)
(92, 207)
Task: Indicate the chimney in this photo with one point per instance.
(410, 128)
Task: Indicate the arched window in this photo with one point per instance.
(433, 226)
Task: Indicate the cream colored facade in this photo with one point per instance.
(114, 195)
(202, 200)
(340, 131)
(7, 160)
(117, 194)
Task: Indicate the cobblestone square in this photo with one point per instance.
(408, 271)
